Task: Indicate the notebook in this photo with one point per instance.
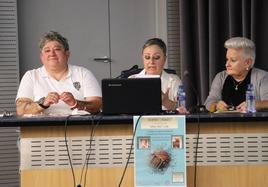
(139, 96)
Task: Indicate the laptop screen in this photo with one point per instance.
(131, 96)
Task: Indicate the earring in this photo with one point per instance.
(247, 68)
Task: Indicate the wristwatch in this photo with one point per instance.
(41, 101)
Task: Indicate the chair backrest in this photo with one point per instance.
(171, 71)
(135, 70)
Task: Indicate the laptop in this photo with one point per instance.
(140, 96)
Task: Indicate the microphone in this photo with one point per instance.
(127, 73)
(133, 68)
(197, 108)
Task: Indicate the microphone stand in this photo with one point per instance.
(130, 71)
(198, 108)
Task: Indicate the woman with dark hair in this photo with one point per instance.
(154, 58)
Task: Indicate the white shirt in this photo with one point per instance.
(168, 81)
(36, 84)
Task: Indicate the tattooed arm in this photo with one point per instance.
(91, 104)
(27, 106)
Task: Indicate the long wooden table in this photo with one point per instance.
(232, 150)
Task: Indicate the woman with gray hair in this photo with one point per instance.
(229, 86)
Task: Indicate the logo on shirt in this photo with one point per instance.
(77, 85)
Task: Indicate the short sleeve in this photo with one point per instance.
(26, 86)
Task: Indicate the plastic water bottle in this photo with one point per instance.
(181, 99)
(250, 99)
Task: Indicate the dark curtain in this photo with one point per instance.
(204, 27)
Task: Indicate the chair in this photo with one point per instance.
(135, 70)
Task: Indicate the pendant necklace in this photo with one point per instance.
(236, 84)
(236, 87)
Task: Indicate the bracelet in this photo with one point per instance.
(74, 106)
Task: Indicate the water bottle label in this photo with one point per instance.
(250, 97)
(181, 98)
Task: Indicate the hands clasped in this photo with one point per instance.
(222, 106)
(54, 97)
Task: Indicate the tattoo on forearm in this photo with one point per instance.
(26, 106)
(83, 105)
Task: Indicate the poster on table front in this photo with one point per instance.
(159, 151)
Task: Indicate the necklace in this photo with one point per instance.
(236, 84)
